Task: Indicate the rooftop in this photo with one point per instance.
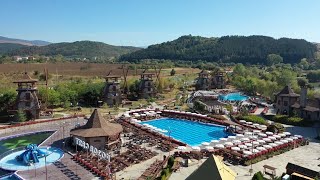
(25, 79)
(287, 91)
(97, 126)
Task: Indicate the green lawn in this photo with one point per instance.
(12, 143)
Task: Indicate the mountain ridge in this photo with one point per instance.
(23, 42)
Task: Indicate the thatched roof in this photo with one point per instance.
(302, 170)
(213, 168)
(97, 126)
(25, 79)
(204, 72)
(287, 91)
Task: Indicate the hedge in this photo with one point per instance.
(253, 119)
(215, 116)
(296, 121)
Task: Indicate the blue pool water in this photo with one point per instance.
(189, 132)
(9, 162)
(233, 97)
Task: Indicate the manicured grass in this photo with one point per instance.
(16, 142)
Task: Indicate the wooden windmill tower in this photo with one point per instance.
(112, 91)
(147, 86)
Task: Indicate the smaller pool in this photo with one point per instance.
(233, 97)
(9, 162)
(10, 177)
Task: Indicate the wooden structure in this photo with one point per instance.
(147, 86)
(218, 80)
(203, 81)
(284, 100)
(27, 99)
(112, 91)
(99, 133)
(299, 172)
(266, 169)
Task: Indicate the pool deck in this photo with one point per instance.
(306, 156)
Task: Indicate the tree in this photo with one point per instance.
(304, 64)
(274, 59)
(21, 116)
(7, 98)
(302, 81)
(173, 72)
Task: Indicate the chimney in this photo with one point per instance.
(303, 96)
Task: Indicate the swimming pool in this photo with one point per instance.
(9, 161)
(233, 97)
(189, 132)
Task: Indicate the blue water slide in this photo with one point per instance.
(34, 157)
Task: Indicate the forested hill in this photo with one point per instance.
(238, 49)
(7, 47)
(76, 49)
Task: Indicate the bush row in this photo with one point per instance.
(296, 121)
(253, 119)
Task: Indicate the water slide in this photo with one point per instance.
(34, 157)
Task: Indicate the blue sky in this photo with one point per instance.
(145, 22)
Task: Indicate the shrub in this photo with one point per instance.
(296, 121)
(258, 176)
(170, 162)
(276, 128)
(253, 119)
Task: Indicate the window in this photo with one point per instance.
(28, 104)
(27, 96)
(279, 102)
(149, 89)
(285, 103)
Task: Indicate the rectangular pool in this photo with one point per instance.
(189, 132)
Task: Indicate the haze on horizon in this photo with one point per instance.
(142, 22)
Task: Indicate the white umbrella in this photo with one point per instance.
(267, 146)
(253, 137)
(261, 141)
(261, 148)
(255, 151)
(239, 135)
(127, 115)
(272, 138)
(223, 139)
(248, 144)
(165, 131)
(255, 124)
(248, 133)
(289, 139)
(143, 115)
(294, 137)
(158, 112)
(242, 146)
(236, 142)
(277, 136)
(263, 126)
(247, 152)
(262, 135)
(137, 115)
(256, 131)
(242, 121)
(284, 141)
(255, 143)
(269, 133)
(249, 123)
(267, 139)
(181, 147)
(298, 136)
(273, 144)
(196, 148)
(219, 146)
(228, 144)
(282, 135)
(232, 137)
(205, 143)
(278, 142)
(245, 139)
(215, 141)
(287, 133)
(235, 148)
(209, 148)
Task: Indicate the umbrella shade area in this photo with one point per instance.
(253, 137)
(287, 133)
(262, 135)
(289, 139)
(245, 139)
(242, 146)
(248, 144)
(284, 141)
(255, 143)
(228, 144)
(267, 146)
(240, 135)
(205, 143)
(247, 152)
(248, 133)
(272, 138)
(219, 146)
(269, 133)
(236, 142)
(273, 144)
(267, 139)
(255, 151)
(261, 148)
(261, 141)
(235, 148)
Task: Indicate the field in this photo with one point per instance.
(69, 70)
